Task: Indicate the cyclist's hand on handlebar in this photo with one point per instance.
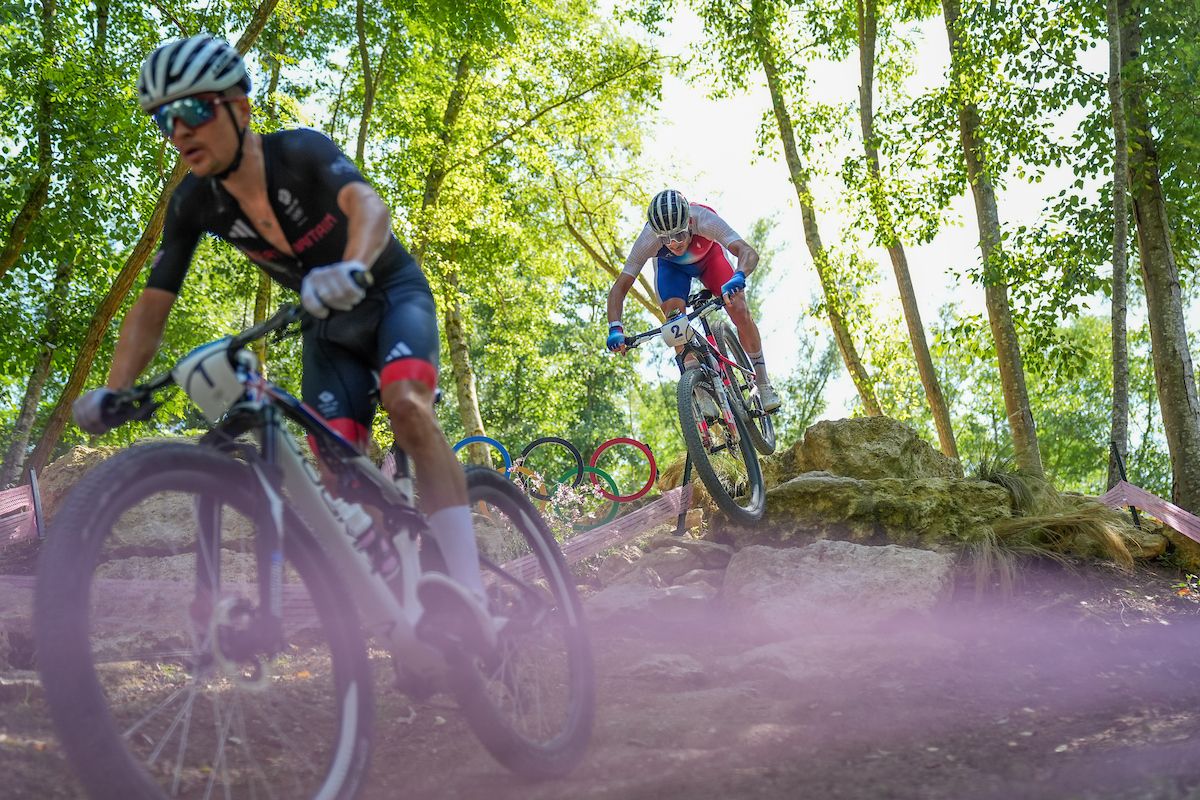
(616, 337)
(734, 285)
(89, 410)
(337, 287)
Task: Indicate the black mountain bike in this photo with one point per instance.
(719, 414)
(225, 656)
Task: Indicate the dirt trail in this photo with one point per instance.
(1083, 687)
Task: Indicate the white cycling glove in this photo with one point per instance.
(333, 288)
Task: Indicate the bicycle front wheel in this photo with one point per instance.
(722, 455)
(146, 596)
(532, 706)
(759, 424)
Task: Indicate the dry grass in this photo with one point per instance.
(1045, 525)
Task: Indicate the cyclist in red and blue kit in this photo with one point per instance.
(686, 241)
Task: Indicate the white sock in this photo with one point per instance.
(760, 367)
(455, 536)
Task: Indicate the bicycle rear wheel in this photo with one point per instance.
(724, 457)
(532, 706)
(145, 591)
(759, 424)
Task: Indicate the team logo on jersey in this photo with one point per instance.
(242, 230)
(343, 166)
(291, 207)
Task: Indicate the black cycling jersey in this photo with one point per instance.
(305, 171)
(391, 335)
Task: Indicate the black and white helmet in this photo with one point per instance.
(668, 212)
(190, 66)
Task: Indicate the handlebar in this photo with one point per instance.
(706, 306)
(137, 403)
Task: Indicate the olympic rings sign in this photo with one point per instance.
(590, 468)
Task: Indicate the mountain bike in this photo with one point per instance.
(227, 654)
(716, 412)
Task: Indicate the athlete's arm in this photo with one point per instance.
(747, 256)
(141, 334)
(616, 296)
(142, 329)
(710, 225)
(368, 222)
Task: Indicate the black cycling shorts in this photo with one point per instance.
(391, 335)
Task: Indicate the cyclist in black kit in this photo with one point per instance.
(301, 211)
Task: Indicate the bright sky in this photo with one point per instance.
(705, 147)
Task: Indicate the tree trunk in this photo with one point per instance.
(1120, 260)
(360, 27)
(262, 308)
(1173, 375)
(867, 30)
(100, 44)
(1008, 349)
(812, 236)
(435, 177)
(14, 457)
(272, 107)
(103, 317)
(458, 343)
(457, 336)
(31, 209)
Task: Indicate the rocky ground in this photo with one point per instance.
(826, 669)
(1082, 685)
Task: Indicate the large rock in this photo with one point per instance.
(648, 606)
(863, 447)
(162, 523)
(779, 593)
(64, 472)
(839, 655)
(939, 513)
(1186, 551)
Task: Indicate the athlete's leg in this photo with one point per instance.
(336, 384)
(716, 271)
(408, 347)
(674, 284)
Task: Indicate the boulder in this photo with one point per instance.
(840, 656)
(712, 577)
(779, 593)
(616, 563)
(1185, 550)
(666, 564)
(937, 513)
(162, 522)
(712, 555)
(651, 606)
(867, 448)
(64, 472)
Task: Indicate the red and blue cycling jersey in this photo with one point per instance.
(704, 257)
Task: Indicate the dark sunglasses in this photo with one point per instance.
(195, 112)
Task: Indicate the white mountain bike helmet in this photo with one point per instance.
(190, 66)
(668, 213)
